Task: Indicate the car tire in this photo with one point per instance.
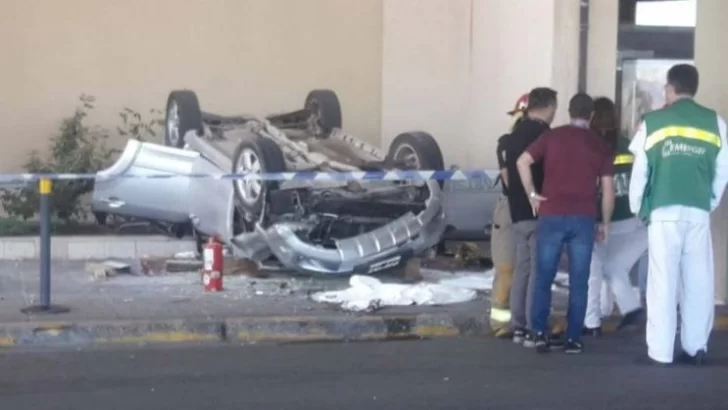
(269, 158)
(325, 108)
(419, 147)
(182, 115)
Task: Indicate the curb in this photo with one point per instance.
(720, 323)
(274, 329)
(287, 329)
(73, 248)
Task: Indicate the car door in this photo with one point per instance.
(469, 207)
(128, 187)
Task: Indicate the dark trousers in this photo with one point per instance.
(576, 232)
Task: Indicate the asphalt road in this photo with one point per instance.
(446, 374)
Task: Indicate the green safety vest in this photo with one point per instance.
(682, 145)
(623, 161)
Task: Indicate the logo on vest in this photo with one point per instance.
(671, 148)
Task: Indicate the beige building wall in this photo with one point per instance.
(711, 59)
(602, 52)
(450, 67)
(455, 67)
(426, 71)
(256, 56)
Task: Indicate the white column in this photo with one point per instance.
(519, 45)
(426, 71)
(711, 58)
(455, 67)
(602, 53)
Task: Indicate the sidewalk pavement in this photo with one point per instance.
(173, 308)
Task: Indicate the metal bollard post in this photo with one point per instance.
(45, 188)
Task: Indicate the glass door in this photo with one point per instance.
(640, 88)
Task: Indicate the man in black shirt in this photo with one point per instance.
(502, 249)
(540, 113)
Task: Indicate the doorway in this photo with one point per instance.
(653, 36)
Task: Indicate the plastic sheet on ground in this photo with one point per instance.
(186, 255)
(367, 293)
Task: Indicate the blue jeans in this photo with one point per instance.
(576, 232)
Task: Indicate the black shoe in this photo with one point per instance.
(518, 336)
(697, 360)
(592, 331)
(541, 343)
(573, 347)
(646, 360)
(557, 341)
(633, 318)
(530, 340)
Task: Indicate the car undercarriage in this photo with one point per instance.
(318, 224)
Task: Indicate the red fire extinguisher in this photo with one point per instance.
(212, 265)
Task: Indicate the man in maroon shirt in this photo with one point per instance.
(575, 160)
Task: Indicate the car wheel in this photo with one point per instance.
(183, 114)
(256, 154)
(416, 150)
(325, 111)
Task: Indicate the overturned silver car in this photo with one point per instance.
(317, 226)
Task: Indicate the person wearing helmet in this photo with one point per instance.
(501, 242)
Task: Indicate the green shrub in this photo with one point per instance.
(76, 148)
(133, 125)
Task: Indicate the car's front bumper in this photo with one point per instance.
(383, 248)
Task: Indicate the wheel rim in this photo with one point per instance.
(173, 124)
(249, 190)
(314, 120)
(406, 153)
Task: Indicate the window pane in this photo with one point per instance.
(669, 13)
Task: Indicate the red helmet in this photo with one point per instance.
(520, 106)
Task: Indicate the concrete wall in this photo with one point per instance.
(602, 53)
(711, 60)
(426, 71)
(239, 55)
(450, 67)
(454, 67)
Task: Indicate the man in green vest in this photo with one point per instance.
(679, 176)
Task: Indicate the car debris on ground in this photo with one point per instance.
(107, 269)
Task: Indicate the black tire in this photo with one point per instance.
(189, 115)
(325, 105)
(271, 160)
(423, 146)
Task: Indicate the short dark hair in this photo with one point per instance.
(684, 79)
(541, 97)
(581, 106)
